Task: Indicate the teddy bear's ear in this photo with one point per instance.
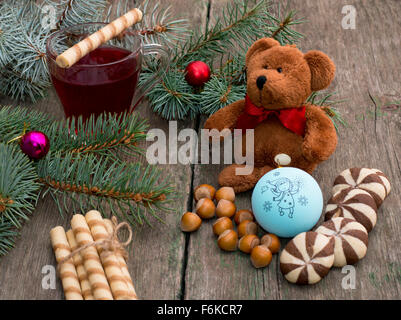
(322, 69)
(260, 45)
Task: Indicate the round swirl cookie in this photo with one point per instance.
(307, 258)
(351, 240)
(384, 179)
(362, 178)
(355, 204)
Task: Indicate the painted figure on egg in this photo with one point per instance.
(284, 191)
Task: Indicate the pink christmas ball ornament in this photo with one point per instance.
(35, 144)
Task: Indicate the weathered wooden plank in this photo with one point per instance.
(156, 255)
(367, 61)
(223, 275)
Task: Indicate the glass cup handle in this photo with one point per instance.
(163, 63)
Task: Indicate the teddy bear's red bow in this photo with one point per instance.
(292, 118)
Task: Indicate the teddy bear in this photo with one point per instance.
(279, 81)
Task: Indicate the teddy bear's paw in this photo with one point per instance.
(233, 176)
(318, 152)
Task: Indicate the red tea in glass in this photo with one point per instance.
(105, 80)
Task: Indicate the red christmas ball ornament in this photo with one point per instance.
(197, 73)
(35, 144)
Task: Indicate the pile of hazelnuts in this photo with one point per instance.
(260, 249)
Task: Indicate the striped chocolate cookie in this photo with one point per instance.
(353, 203)
(362, 178)
(307, 258)
(384, 179)
(351, 240)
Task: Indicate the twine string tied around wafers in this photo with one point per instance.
(109, 245)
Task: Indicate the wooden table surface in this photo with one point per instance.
(167, 264)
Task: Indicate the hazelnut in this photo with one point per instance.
(204, 191)
(261, 256)
(225, 208)
(205, 208)
(228, 240)
(271, 241)
(226, 193)
(247, 227)
(248, 242)
(221, 225)
(242, 215)
(190, 222)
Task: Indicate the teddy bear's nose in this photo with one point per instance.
(260, 82)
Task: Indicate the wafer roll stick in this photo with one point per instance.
(68, 274)
(97, 278)
(82, 48)
(79, 265)
(123, 265)
(114, 275)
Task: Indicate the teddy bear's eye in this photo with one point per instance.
(279, 70)
(266, 67)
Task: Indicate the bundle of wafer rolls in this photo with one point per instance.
(88, 269)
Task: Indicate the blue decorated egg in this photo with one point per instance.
(287, 201)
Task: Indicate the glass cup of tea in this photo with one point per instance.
(105, 80)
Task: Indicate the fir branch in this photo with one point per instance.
(79, 169)
(280, 28)
(23, 68)
(218, 93)
(7, 237)
(4, 203)
(18, 185)
(157, 26)
(25, 71)
(129, 189)
(13, 120)
(324, 101)
(67, 7)
(20, 87)
(30, 57)
(72, 12)
(173, 98)
(238, 25)
(233, 70)
(105, 135)
(6, 18)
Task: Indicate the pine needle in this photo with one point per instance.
(82, 171)
(324, 100)
(18, 185)
(87, 176)
(7, 237)
(23, 68)
(239, 24)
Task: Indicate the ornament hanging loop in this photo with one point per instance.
(26, 126)
(282, 160)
